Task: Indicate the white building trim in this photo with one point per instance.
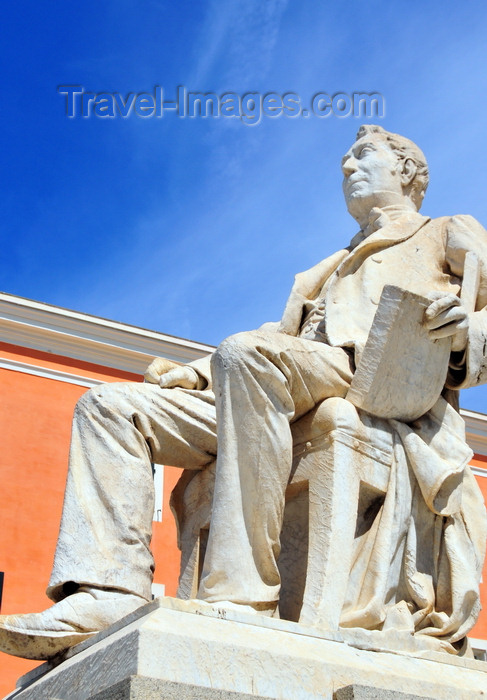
(48, 373)
(159, 491)
(476, 430)
(80, 336)
(479, 648)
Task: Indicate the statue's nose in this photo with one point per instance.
(349, 166)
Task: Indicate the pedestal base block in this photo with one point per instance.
(137, 688)
(180, 650)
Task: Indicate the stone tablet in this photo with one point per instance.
(387, 382)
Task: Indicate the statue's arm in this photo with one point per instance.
(469, 365)
(202, 367)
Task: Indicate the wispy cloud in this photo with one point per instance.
(237, 42)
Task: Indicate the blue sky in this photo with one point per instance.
(195, 227)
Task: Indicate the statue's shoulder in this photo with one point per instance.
(456, 221)
(460, 231)
(308, 281)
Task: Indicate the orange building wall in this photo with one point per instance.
(479, 631)
(35, 419)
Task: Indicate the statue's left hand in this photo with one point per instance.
(446, 316)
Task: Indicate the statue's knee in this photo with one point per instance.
(235, 350)
(90, 401)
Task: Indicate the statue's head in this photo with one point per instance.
(380, 169)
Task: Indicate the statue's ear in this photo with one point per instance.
(408, 171)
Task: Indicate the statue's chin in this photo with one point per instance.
(357, 206)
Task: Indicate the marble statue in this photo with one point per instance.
(421, 562)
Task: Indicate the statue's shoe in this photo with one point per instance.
(75, 618)
(265, 609)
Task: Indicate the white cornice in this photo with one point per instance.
(476, 430)
(48, 373)
(478, 643)
(89, 338)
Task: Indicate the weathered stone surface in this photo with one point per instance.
(387, 383)
(227, 651)
(136, 688)
(362, 692)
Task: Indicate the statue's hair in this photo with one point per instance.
(403, 148)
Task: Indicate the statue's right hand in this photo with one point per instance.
(183, 377)
(168, 374)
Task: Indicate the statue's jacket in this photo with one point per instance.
(425, 553)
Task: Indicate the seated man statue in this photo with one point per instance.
(244, 399)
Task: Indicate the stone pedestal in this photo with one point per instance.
(180, 650)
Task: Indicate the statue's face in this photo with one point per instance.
(372, 177)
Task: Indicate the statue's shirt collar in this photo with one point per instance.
(380, 218)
